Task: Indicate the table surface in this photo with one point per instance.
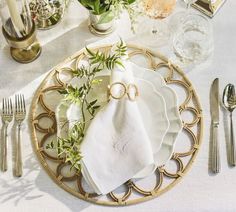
(198, 191)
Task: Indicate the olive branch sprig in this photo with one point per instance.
(69, 148)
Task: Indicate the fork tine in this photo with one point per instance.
(8, 106)
(24, 109)
(5, 103)
(3, 106)
(21, 103)
(11, 109)
(18, 106)
(18, 102)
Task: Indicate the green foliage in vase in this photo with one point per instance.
(69, 147)
(110, 9)
(99, 7)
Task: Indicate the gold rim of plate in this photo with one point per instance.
(165, 179)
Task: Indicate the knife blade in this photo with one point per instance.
(215, 101)
(214, 105)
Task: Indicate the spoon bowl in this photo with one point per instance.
(229, 99)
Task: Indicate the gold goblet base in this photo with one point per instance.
(24, 49)
(26, 55)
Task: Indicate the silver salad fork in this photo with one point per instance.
(7, 116)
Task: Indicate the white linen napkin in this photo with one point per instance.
(116, 145)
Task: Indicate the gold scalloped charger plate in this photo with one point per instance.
(44, 129)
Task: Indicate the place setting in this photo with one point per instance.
(109, 107)
(117, 123)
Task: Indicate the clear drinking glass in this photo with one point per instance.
(157, 33)
(178, 17)
(193, 40)
(16, 17)
(189, 2)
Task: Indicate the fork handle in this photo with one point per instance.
(18, 158)
(4, 149)
(232, 142)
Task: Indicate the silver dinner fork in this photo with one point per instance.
(20, 113)
(7, 116)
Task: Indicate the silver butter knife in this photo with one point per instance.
(214, 105)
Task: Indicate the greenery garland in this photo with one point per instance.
(69, 148)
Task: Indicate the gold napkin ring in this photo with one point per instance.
(126, 90)
(121, 95)
(132, 86)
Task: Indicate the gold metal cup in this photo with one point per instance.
(25, 49)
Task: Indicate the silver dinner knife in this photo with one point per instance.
(214, 105)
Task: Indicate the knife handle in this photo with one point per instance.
(215, 149)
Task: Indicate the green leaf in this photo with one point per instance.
(131, 1)
(97, 6)
(106, 17)
(89, 51)
(50, 145)
(96, 107)
(89, 4)
(93, 102)
(96, 81)
(63, 91)
(120, 63)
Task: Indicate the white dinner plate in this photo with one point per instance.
(172, 108)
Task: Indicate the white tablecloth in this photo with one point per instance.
(198, 191)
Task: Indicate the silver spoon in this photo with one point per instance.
(229, 101)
